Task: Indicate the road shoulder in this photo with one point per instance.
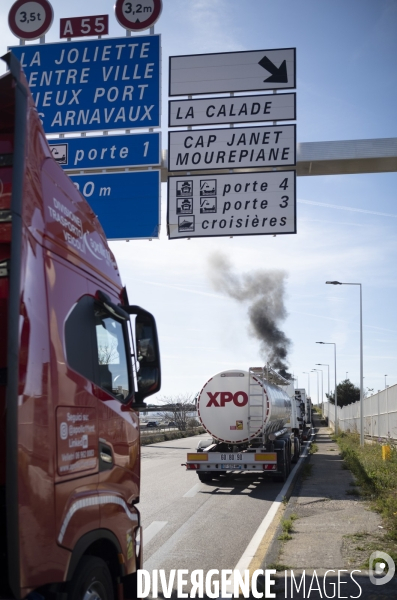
(331, 527)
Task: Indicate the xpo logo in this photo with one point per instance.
(239, 398)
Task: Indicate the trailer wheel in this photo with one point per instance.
(204, 477)
(282, 465)
(288, 456)
(91, 581)
(297, 450)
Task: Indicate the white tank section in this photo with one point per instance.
(227, 401)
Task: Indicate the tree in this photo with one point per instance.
(179, 410)
(347, 393)
(107, 353)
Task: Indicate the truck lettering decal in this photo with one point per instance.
(77, 443)
(97, 249)
(212, 397)
(227, 397)
(73, 231)
(242, 402)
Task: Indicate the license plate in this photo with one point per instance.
(232, 457)
(231, 467)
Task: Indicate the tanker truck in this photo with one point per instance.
(73, 373)
(304, 405)
(253, 421)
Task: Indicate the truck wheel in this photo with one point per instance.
(204, 477)
(91, 581)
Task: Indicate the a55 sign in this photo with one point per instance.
(84, 26)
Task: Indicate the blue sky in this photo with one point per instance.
(346, 89)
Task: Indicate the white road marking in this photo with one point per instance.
(152, 530)
(253, 545)
(193, 491)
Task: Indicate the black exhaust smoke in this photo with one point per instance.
(263, 291)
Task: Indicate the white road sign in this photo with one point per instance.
(236, 109)
(232, 72)
(30, 19)
(232, 148)
(260, 203)
(137, 14)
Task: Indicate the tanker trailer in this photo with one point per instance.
(249, 416)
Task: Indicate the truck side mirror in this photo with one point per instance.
(148, 353)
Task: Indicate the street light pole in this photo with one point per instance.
(361, 358)
(308, 382)
(336, 391)
(322, 389)
(318, 391)
(324, 365)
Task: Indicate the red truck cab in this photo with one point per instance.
(72, 379)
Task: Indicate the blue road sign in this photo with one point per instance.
(95, 84)
(107, 151)
(127, 204)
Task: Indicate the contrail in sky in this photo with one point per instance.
(361, 210)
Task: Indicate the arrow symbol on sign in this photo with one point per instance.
(278, 74)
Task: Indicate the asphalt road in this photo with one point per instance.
(191, 525)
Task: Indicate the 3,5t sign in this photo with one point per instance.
(84, 26)
(30, 19)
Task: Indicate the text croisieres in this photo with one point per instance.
(254, 222)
